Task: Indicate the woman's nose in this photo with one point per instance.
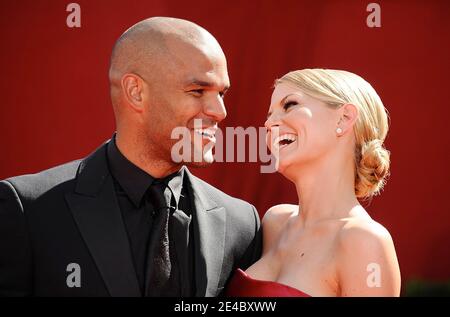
(271, 122)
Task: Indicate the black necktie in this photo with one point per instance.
(162, 278)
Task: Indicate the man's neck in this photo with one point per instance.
(157, 168)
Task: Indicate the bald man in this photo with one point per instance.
(130, 220)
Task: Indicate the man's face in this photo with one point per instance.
(187, 93)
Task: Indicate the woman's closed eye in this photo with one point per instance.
(289, 104)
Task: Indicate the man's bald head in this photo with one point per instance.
(165, 74)
(154, 45)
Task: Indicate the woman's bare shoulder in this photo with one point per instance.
(278, 214)
(363, 231)
(273, 222)
(366, 251)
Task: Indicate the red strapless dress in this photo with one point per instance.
(243, 285)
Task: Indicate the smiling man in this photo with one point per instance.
(131, 220)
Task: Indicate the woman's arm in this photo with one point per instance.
(366, 261)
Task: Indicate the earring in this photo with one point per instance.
(338, 130)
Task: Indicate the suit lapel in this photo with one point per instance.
(96, 211)
(209, 222)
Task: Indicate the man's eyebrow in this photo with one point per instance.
(202, 83)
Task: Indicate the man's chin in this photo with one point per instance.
(198, 164)
(203, 160)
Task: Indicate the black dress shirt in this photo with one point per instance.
(131, 184)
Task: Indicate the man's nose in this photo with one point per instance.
(216, 109)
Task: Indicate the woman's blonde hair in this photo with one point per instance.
(336, 88)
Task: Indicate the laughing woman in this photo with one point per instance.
(326, 129)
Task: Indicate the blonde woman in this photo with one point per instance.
(326, 128)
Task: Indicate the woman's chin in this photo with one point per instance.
(283, 165)
(288, 166)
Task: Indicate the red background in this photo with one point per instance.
(55, 103)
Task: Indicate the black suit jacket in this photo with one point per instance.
(70, 214)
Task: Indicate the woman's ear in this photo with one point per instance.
(132, 87)
(349, 114)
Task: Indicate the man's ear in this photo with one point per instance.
(349, 115)
(132, 87)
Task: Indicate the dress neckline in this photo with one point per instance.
(247, 276)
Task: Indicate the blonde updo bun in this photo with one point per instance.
(337, 88)
(372, 168)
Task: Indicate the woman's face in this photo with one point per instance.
(302, 129)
